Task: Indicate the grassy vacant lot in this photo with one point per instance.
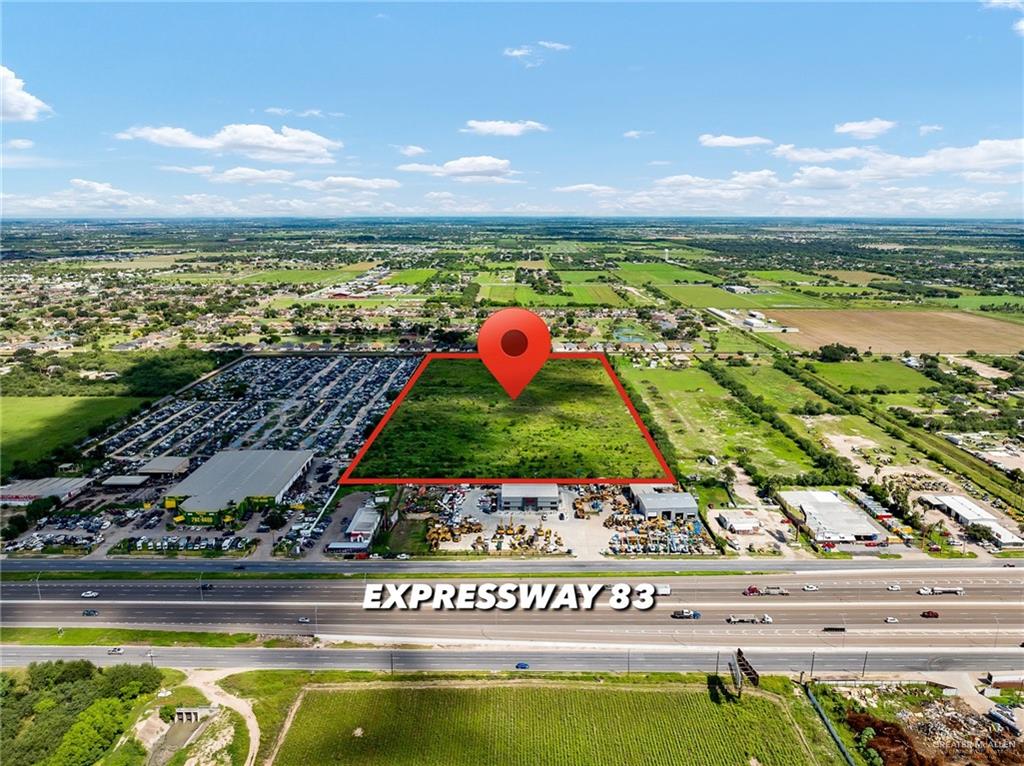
(869, 375)
(702, 418)
(458, 422)
(587, 293)
(783, 275)
(306, 276)
(126, 636)
(547, 724)
(639, 274)
(33, 426)
(857, 277)
(891, 332)
(778, 389)
(410, 276)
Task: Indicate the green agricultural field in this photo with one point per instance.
(702, 418)
(31, 427)
(458, 422)
(588, 294)
(549, 725)
(976, 301)
(580, 277)
(783, 275)
(869, 375)
(410, 277)
(306, 276)
(704, 296)
(639, 274)
(853, 277)
(777, 388)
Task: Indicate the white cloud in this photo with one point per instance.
(480, 168)
(280, 111)
(924, 130)
(808, 154)
(987, 154)
(311, 113)
(637, 133)
(197, 170)
(872, 128)
(1018, 26)
(238, 175)
(502, 127)
(349, 182)
(82, 196)
(411, 150)
(596, 189)
(815, 177)
(258, 142)
(993, 177)
(19, 144)
(552, 46)
(737, 182)
(707, 139)
(659, 163)
(525, 55)
(17, 104)
(1013, 5)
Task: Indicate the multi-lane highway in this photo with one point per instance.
(989, 615)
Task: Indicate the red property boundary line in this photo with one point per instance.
(667, 477)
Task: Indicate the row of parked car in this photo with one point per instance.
(186, 543)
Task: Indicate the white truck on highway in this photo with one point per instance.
(753, 619)
(937, 591)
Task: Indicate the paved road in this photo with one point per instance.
(877, 661)
(990, 614)
(484, 566)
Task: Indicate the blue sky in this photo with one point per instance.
(610, 109)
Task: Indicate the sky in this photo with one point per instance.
(788, 109)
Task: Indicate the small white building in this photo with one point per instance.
(739, 522)
(530, 497)
(664, 501)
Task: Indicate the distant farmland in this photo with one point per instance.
(551, 725)
(891, 332)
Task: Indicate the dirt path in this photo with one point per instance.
(206, 682)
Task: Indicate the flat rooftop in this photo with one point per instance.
(234, 475)
(33, 488)
(166, 464)
(520, 491)
(829, 514)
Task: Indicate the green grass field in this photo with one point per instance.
(546, 725)
(458, 422)
(410, 277)
(869, 375)
(975, 301)
(306, 276)
(702, 418)
(778, 389)
(704, 296)
(33, 426)
(639, 274)
(588, 293)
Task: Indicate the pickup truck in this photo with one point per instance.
(685, 614)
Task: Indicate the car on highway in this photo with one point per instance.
(811, 588)
(304, 620)
(892, 620)
(90, 612)
(522, 666)
(930, 614)
(895, 588)
(685, 614)
(402, 556)
(115, 650)
(90, 594)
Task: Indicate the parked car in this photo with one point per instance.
(402, 556)
(90, 594)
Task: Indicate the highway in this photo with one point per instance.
(989, 615)
(625, 661)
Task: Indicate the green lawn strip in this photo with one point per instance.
(594, 702)
(123, 636)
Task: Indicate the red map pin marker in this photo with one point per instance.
(514, 344)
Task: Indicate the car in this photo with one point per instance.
(90, 612)
(895, 588)
(1009, 566)
(811, 588)
(238, 567)
(930, 614)
(402, 556)
(90, 594)
(892, 620)
(522, 666)
(304, 620)
(115, 650)
(207, 586)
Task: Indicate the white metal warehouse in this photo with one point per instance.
(235, 475)
(529, 497)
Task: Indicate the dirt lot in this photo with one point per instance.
(891, 332)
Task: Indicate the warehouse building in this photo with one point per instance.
(530, 497)
(25, 491)
(739, 522)
(130, 481)
(231, 476)
(966, 512)
(663, 501)
(166, 465)
(829, 518)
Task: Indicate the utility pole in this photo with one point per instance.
(812, 666)
(39, 594)
(864, 669)
(201, 596)
(392, 655)
(718, 657)
(628, 664)
(316, 619)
